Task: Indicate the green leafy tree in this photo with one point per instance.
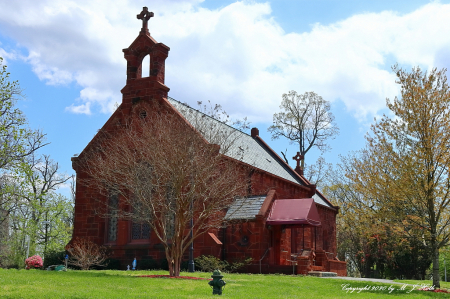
(372, 243)
(41, 214)
(404, 169)
(17, 142)
(444, 263)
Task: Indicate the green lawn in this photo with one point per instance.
(125, 284)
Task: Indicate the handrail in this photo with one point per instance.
(264, 255)
(294, 261)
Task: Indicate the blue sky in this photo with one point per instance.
(243, 55)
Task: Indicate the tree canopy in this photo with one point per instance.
(27, 185)
(16, 139)
(404, 170)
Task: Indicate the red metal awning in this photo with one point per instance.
(294, 211)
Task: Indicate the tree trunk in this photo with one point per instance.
(177, 266)
(169, 261)
(436, 277)
(174, 263)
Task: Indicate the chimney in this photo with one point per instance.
(312, 187)
(255, 132)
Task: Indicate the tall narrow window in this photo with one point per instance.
(112, 222)
(170, 225)
(140, 228)
(170, 213)
(141, 209)
(145, 67)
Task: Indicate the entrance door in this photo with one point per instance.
(276, 245)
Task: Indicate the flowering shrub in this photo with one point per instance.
(34, 261)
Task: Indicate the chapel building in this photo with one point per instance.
(284, 220)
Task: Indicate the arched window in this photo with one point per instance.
(145, 66)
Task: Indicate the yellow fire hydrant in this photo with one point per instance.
(217, 283)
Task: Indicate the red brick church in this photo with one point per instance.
(283, 221)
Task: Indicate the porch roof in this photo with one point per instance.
(294, 211)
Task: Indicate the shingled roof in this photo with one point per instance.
(245, 208)
(243, 147)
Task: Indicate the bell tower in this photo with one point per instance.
(139, 87)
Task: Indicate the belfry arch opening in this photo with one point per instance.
(145, 66)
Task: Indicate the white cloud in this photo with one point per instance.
(80, 109)
(237, 55)
(51, 74)
(7, 55)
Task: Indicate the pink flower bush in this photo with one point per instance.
(34, 261)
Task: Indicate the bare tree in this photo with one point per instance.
(305, 120)
(319, 172)
(85, 254)
(165, 173)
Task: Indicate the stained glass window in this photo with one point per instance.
(170, 225)
(140, 231)
(112, 222)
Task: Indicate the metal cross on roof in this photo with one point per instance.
(145, 15)
(298, 158)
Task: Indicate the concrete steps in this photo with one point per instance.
(322, 274)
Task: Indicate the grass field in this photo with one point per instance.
(444, 285)
(125, 284)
